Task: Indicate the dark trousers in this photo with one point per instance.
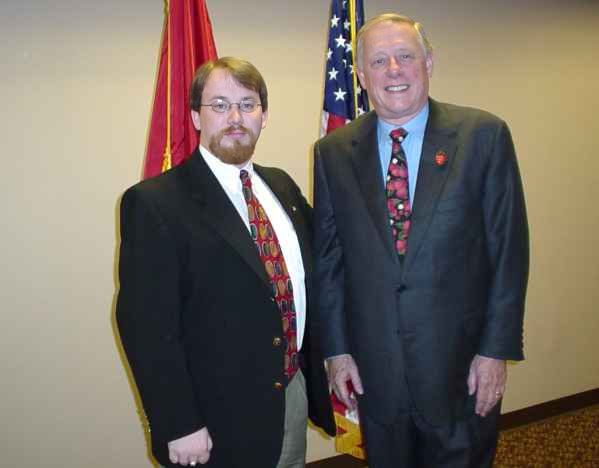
(410, 442)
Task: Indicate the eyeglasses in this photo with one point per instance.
(220, 106)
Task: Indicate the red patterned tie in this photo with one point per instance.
(271, 255)
(398, 193)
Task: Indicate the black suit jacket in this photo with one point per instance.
(460, 289)
(197, 318)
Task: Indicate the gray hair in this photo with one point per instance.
(427, 47)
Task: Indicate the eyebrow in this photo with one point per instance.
(225, 98)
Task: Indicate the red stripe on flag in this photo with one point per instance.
(334, 122)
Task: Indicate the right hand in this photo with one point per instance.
(191, 449)
(341, 370)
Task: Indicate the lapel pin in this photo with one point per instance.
(441, 158)
(293, 208)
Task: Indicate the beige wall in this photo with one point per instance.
(77, 81)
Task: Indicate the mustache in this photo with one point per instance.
(235, 128)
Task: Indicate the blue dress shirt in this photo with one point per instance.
(412, 146)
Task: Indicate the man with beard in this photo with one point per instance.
(215, 269)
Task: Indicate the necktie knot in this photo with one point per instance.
(398, 135)
(246, 185)
(244, 176)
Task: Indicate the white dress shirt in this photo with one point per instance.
(228, 177)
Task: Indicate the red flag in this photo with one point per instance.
(187, 43)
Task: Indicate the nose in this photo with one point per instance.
(394, 66)
(235, 115)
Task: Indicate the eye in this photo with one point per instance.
(379, 61)
(406, 57)
(220, 106)
(247, 106)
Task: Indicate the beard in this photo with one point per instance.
(237, 154)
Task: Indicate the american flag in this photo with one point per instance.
(344, 100)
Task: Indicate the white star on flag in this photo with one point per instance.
(340, 41)
(333, 74)
(335, 21)
(339, 95)
(329, 54)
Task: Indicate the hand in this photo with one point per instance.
(487, 379)
(191, 449)
(340, 370)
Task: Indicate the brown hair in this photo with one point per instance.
(246, 74)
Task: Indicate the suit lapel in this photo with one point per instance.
(367, 166)
(218, 212)
(439, 136)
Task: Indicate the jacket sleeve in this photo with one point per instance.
(329, 281)
(506, 232)
(148, 318)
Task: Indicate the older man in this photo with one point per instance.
(421, 245)
(215, 273)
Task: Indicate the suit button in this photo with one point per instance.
(276, 341)
(401, 288)
(278, 386)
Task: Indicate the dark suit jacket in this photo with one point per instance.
(197, 318)
(460, 289)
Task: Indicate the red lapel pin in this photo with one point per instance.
(441, 158)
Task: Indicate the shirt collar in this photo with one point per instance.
(227, 174)
(414, 127)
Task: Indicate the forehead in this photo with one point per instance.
(390, 35)
(221, 83)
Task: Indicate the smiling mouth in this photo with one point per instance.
(397, 88)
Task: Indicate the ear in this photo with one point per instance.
(264, 119)
(195, 118)
(429, 64)
(362, 78)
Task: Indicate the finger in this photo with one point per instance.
(353, 401)
(357, 382)
(342, 393)
(471, 382)
(481, 404)
(173, 456)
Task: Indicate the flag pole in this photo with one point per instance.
(352, 15)
(166, 157)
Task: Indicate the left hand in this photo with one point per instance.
(487, 379)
